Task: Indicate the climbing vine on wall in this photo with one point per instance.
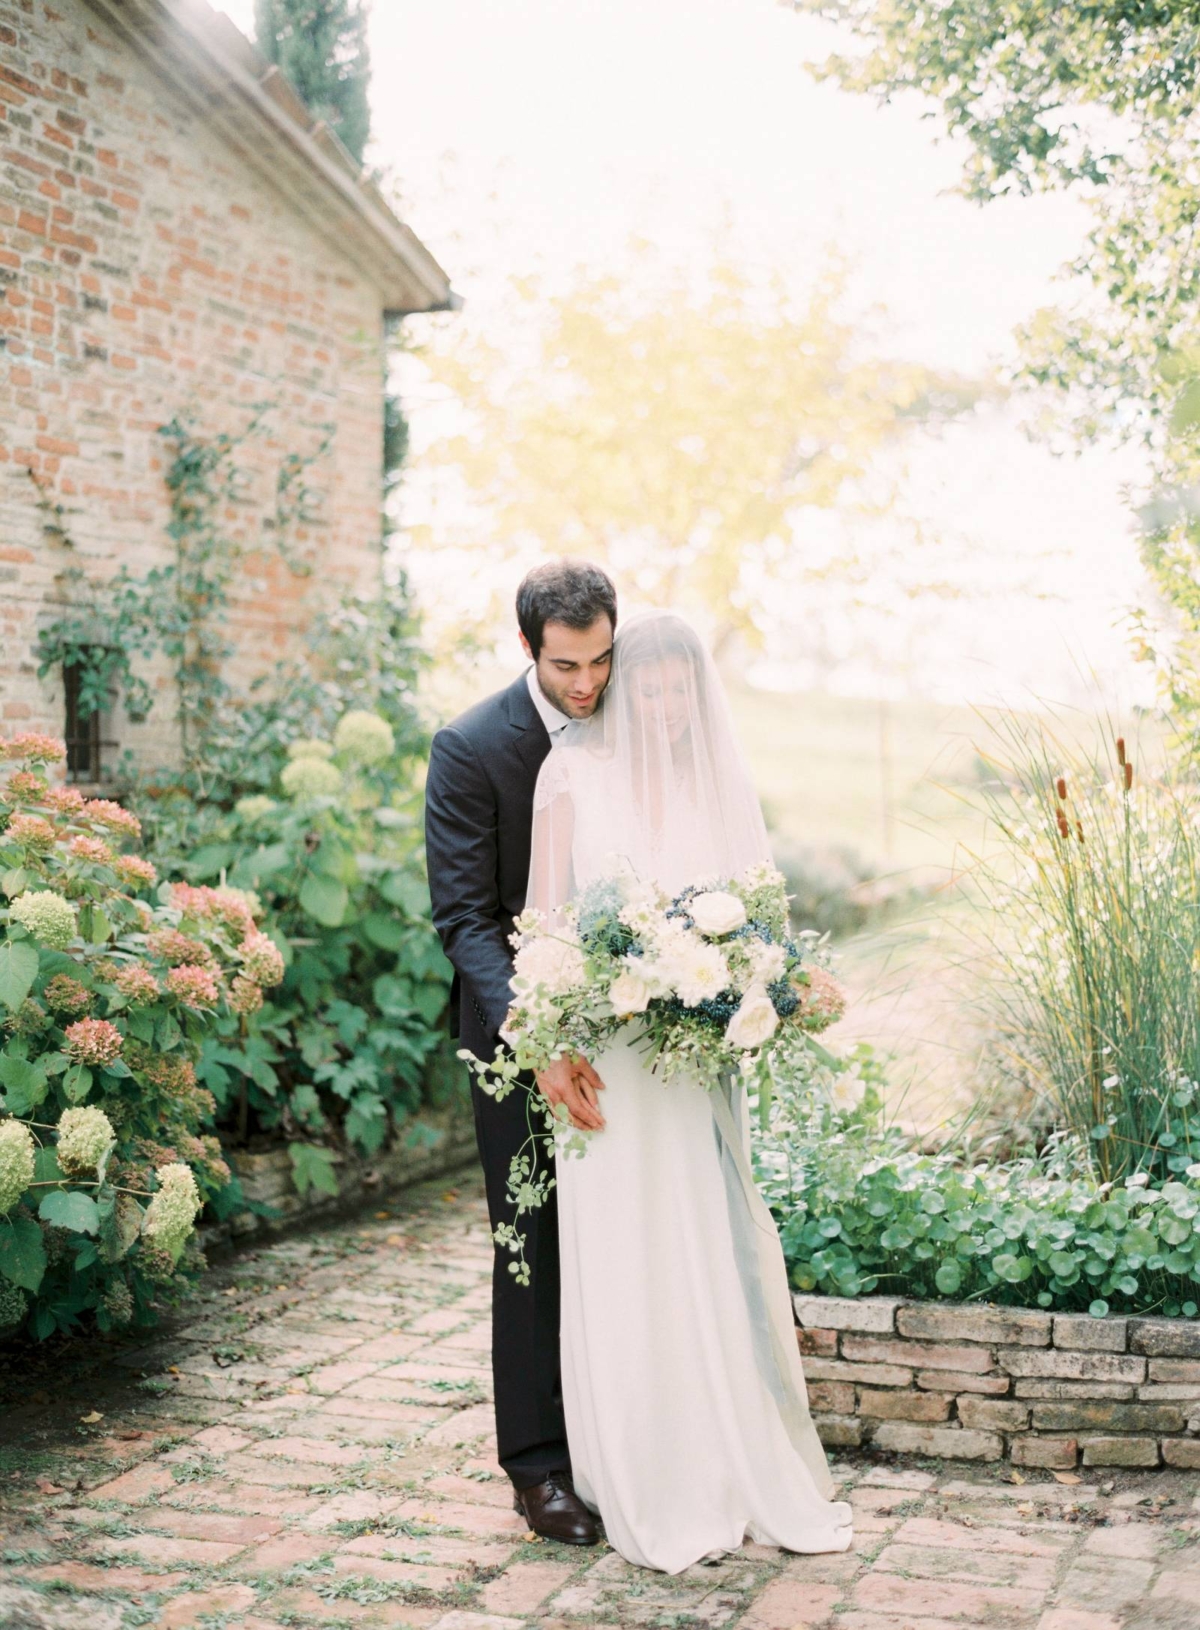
(178, 609)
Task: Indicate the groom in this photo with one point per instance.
(478, 818)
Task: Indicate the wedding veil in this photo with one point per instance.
(654, 779)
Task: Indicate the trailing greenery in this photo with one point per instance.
(1095, 903)
(1100, 98)
(860, 1210)
(111, 987)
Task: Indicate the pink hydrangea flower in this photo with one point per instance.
(137, 984)
(135, 871)
(91, 849)
(176, 947)
(193, 985)
(226, 905)
(66, 995)
(105, 813)
(24, 787)
(35, 746)
(822, 1000)
(93, 1041)
(34, 831)
(261, 959)
(66, 800)
(244, 995)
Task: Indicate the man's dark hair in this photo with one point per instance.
(573, 592)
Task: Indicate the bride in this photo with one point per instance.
(687, 1417)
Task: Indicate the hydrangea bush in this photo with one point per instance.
(111, 985)
(860, 1209)
(349, 1042)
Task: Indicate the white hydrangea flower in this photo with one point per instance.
(47, 916)
(84, 1138)
(310, 747)
(310, 777)
(256, 805)
(365, 737)
(551, 962)
(16, 1163)
(172, 1211)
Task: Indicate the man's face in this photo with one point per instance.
(573, 665)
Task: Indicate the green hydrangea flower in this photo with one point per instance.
(16, 1163)
(12, 1305)
(310, 778)
(365, 737)
(252, 808)
(47, 916)
(118, 1302)
(84, 1138)
(172, 1211)
(310, 747)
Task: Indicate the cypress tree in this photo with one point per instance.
(321, 45)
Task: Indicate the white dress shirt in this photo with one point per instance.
(549, 714)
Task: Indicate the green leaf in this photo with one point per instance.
(94, 925)
(324, 899)
(22, 1252)
(208, 859)
(312, 1167)
(384, 930)
(167, 1033)
(429, 1000)
(270, 858)
(948, 1278)
(18, 970)
(14, 881)
(1098, 1308)
(24, 1083)
(68, 1208)
(77, 1083)
(45, 1166)
(408, 891)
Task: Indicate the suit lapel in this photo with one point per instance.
(531, 738)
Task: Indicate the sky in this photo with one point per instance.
(535, 136)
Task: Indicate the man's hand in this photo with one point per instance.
(573, 1083)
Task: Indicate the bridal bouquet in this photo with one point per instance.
(712, 979)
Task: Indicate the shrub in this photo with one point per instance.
(1094, 902)
(860, 1210)
(110, 999)
(836, 892)
(349, 1043)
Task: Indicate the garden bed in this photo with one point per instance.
(438, 1141)
(967, 1382)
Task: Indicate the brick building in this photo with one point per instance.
(179, 236)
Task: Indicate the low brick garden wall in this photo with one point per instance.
(984, 1383)
(438, 1141)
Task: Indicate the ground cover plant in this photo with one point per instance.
(110, 984)
(861, 1210)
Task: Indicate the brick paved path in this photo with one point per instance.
(311, 1448)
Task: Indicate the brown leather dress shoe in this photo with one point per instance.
(554, 1510)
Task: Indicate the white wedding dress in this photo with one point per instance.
(687, 1419)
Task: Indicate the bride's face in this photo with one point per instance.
(661, 695)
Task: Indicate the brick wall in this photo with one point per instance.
(145, 270)
(980, 1383)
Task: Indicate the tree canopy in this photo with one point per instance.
(1102, 98)
(321, 45)
(678, 440)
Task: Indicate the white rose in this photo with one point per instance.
(767, 961)
(847, 1091)
(628, 994)
(716, 912)
(754, 1022)
(552, 961)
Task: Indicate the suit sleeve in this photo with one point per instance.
(461, 848)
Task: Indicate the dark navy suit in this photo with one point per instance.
(478, 819)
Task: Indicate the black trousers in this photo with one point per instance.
(531, 1433)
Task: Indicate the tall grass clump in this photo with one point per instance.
(1093, 921)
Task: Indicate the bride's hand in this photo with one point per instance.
(573, 1083)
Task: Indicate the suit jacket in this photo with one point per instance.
(483, 768)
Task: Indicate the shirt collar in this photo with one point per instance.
(547, 712)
